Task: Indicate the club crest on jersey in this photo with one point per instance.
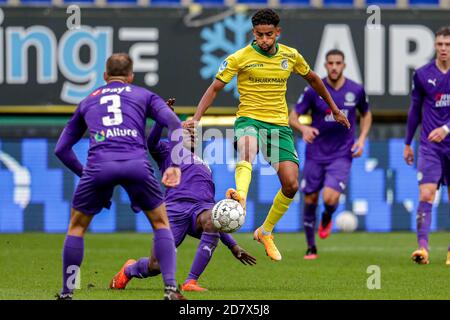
(223, 65)
(350, 99)
(284, 64)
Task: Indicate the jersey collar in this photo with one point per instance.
(258, 49)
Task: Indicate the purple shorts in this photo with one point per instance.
(433, 166)
(183, 218)
(318, 174)
(96, 186)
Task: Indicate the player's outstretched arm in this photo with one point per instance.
(243, 256)
(71, 134)
(239, 253)
(317, 84)
(206, 101)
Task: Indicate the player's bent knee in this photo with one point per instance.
(312, 198)
(427, 194)
(206, 222)
(290, 189)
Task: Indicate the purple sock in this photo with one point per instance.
(72, 257)
(309, 223)
(328, 214)
(205, 250)
(330, 209)
(164, 250)
(423, 220)
(139, 269)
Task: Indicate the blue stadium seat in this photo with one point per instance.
(338, 3)
(43, 2)
(424, 2)
(252, 1)
(123, 2)
(166, 2)
(295, 2)
(382, 2)
(210, 2)
(80, 1)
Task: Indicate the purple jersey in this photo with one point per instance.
(430, 104)
(115, 115)
(334, 140)
(196, 178)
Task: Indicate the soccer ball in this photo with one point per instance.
(228, 215)
(346, 221)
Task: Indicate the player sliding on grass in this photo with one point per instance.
(115, 115)
(330, 147)
(430, 105)
(189, 209)
(263, 68)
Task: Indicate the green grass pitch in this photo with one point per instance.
(30, 266)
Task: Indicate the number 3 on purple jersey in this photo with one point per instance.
(113, 108)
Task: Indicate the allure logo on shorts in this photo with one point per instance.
(442, 100)
(115, 132)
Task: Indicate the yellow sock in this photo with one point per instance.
(279, 207)
(243, 176)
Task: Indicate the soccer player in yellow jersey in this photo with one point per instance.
(263, 68)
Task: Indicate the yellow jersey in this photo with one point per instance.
(262, 80)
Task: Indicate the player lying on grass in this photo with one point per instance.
(118, 160)
(189, 209)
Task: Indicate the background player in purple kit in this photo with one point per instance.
(189, 208)
(115, 115)
(430, 105)
(330, 147)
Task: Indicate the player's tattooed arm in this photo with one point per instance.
(317, 84)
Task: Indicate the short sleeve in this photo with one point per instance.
(363, 103)
(305, 100)
(228, 69)
(301, 67)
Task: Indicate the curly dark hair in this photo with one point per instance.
(266, 17)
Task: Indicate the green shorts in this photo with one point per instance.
(274, 141)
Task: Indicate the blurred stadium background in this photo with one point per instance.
(177, 46)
